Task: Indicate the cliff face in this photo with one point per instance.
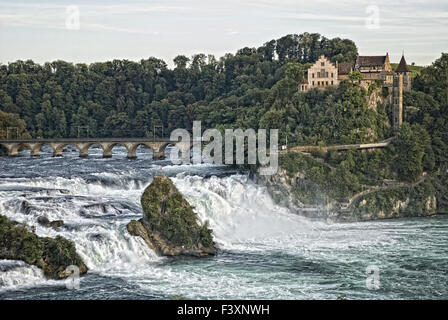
(297, 193)
(414, 201)
(281, 188)
(404, 201)
(169, 225)
(374, 98)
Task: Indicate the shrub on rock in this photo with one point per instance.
(53, 256)
(169, 225)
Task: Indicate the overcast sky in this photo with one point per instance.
(49, 30)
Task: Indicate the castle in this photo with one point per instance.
(323, 73)
(374, 69)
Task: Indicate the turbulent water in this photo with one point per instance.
(267, 252)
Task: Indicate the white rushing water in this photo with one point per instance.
(266, 250)
(95, 215)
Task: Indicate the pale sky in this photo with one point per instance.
(135, 29)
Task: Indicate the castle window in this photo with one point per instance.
(313, 75)
(318, 74)
(313, 83)
(331, 82)
(332, 76)
(322, 64)
(326, 83)
(326, 74)
(318, 83)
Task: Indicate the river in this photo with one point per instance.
(266, 252)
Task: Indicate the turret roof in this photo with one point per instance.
(402, 66)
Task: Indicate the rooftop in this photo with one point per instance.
(368, 61)
(345, 67)
(402, 66)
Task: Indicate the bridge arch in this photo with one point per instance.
(92, 146)
(58, 148)
(34, 148)
(13, 149)
(83, 148)
(107, 148)
(135, 145)
(165, 145)
(132, 152)
(3, 149)
(160, 153)
(27, 149)
(41, 146)
(182, 147)
(16, 149)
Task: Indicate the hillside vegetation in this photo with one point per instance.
(122, 98)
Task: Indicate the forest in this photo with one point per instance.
(122, 98)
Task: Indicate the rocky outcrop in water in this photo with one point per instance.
(169, 225)
(53, 256)
(43, 221)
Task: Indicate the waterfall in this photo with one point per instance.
(97, 207)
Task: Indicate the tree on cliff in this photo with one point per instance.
(410, 146)
(355, 76)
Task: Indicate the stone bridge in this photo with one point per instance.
(157, 145)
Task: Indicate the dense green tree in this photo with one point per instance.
(355, 76)
(433, 80)
(51, 122)
(83, 124)
(12, 127)
(410, 146)
(117, 124)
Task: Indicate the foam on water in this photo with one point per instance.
(15, 274)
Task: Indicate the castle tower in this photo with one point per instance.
(397, 111)
(406, 72)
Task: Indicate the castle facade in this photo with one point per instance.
(323, 73)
